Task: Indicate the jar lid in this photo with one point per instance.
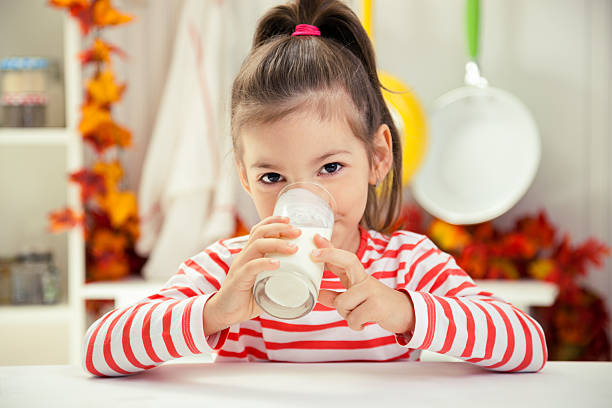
(19, 99)
(23, 63)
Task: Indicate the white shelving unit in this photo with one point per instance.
(56, 329)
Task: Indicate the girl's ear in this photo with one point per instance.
(243, 176)
(383, 154)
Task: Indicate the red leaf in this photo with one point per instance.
(64, 219)
(91, 183)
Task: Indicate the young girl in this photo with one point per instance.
(307, 106)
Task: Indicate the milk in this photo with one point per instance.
(284, 288)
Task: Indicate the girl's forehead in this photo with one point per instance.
(297, 137)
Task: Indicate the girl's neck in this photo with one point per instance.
(351, 241)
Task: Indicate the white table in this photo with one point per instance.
(403, 384)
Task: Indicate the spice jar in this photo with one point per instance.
(24, 91)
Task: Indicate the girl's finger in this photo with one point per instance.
(266, 221)
(326, 297)
(270, 220)
(263, 246)
(353, 297)
(362, 314)
(250, 270)
(350, 269)
(275, 230)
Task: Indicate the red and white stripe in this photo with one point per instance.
(452, 316)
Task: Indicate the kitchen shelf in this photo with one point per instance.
(33, 313)
(521, 293)
(123, 292)
(35, 136)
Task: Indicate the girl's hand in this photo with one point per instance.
(366, 298)
(234, 301)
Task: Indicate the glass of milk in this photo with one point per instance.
(291, 291)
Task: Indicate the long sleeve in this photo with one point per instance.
(454, 317)
(163, 326)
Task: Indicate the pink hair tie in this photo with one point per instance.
(306, 29)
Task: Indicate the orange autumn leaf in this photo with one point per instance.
(120, 206)
(64, 219)
(541, 269)
(93, 117)
(449, 237)
(108, 135)
(105, 241)
(474, 259)
(103, 89)
(111, 172)
(131, 228)
(104, 14)
(98, 128)
(108, 250)
(517, 245)
(79, 9)
(537, 229)
(69, 3)
(123, 137)
(500, 268)
(100, 51)
(112, 268)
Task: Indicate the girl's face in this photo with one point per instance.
(301, 147)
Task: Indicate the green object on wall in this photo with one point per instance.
(472, 10)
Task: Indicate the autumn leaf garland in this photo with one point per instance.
(110, 220)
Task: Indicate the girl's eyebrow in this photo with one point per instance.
(266, 165)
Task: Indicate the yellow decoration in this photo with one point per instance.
(93, 116)
(111, 172)
(449, 237)
(104, 14)
(120, 206)
(103, 89)
(409, 117)
(411, 127)
(541, 268)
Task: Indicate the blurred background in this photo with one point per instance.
(115, 161)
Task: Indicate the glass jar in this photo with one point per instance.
(5, 280)
(34, 279)
(24, 91)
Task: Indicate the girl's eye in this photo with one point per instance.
(331, 168)
(270, 178)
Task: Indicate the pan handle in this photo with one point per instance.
(472, 24)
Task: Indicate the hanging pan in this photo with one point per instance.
(484, 147)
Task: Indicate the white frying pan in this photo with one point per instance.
(484, 148)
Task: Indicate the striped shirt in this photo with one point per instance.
(452, 316)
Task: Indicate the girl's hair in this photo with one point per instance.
(333, 75)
